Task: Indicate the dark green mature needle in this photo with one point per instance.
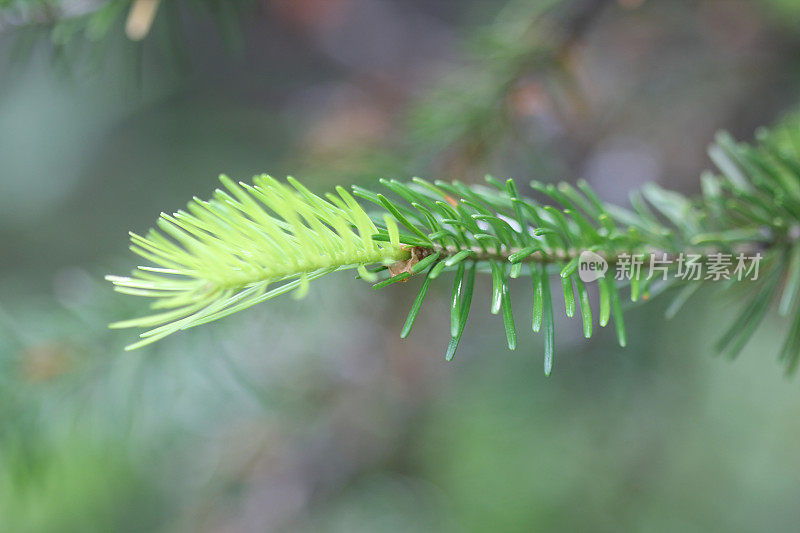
(402, 219)
(497, 287)
(616, 312)
(548, 323)
(538, 297)
(412, 315)
(458, 257)
(570, 268)
(437, 269)
(464, 307)
(605, 302)
(508, 318)
(636, 287)
(523, 253)
(569, 296)
(393, 279)
(424, 263)
(502, 300)
(455, 300)
(586, 309)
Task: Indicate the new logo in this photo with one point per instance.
(591, 266)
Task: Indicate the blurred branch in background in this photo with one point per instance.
(519, 68)
(79, 31)
(463, 120)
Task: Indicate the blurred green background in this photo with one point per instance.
(314, 415)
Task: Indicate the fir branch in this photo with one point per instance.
(221, 256)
